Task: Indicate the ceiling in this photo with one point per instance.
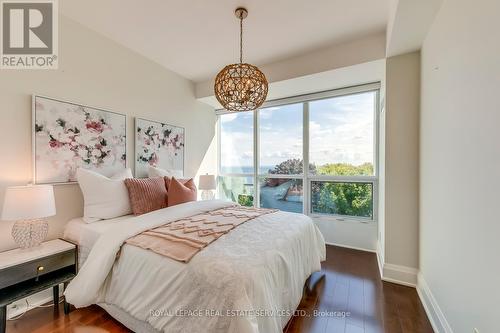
(196, 38)
(408, 24)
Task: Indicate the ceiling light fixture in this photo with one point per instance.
(241, 87)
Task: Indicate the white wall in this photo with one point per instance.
(380, 237)
(95, 71)
(348, 53)
(460, 164)
(400, 165)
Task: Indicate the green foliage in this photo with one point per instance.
(293, 166)
(352, 199)
(344, 169)
(245, 200)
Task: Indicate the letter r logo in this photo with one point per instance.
(27, 27)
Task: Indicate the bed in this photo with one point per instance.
(86, 234)
(248, 281)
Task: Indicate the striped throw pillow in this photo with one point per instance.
(146, 195)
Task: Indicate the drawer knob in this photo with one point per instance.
(38, 270)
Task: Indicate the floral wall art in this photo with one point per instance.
(68, 136)
(159, 145)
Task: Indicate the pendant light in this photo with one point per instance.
(242, 86)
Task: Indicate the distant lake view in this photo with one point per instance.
(246, 169)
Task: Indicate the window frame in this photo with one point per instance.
(307, 177)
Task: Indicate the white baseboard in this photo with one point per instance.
(380, 260)
(434, 313)
(351, 247)
(406, 276)
(19, 307)
(403, 275)
(411, 277)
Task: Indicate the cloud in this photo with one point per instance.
(341, 129)
(229, 117)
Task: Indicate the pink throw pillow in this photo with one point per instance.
(146, 195)
(180, 191)
(181, 180)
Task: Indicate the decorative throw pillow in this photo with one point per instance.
(180, 193)
(169, 179)
(158, 172)
(147, 194)
(103, 197)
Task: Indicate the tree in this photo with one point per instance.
(344, 169)
(293, 166)
(354, 199)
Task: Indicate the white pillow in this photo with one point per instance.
(158, 172)
(103, 197)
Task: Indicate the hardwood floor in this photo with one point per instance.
(351, 285)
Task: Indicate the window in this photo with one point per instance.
(262, 154)
(341, 135)
(236, 143)
(281, 149)
(283, 193)
(342, 147)
(349, 199)
(237, 189)
(236, 159)
(280, 137)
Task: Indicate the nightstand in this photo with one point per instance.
(24, 272)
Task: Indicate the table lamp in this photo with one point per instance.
(29, 206)
(207, 184)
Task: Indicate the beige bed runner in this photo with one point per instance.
(182, 239)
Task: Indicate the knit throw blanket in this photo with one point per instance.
(182, 239)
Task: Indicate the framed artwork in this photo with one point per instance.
(68, 136)
(159, 145)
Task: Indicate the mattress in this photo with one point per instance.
(86, 234)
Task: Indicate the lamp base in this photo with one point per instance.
(207, 195)
(30, 233)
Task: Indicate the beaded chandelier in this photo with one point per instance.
(241, 87)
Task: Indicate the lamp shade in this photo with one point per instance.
(207, 182)
(28, 202)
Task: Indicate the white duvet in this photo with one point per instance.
(248, 281)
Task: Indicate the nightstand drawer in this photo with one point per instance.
(31, 269)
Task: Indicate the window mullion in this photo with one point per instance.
(350, 179)
(281, 176)
(219, 171)
(305, 158)
(256, 159)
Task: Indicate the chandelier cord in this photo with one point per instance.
(241, 38)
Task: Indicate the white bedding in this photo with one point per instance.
(260, 266)
(86, 234)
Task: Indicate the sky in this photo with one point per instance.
(341, 130)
